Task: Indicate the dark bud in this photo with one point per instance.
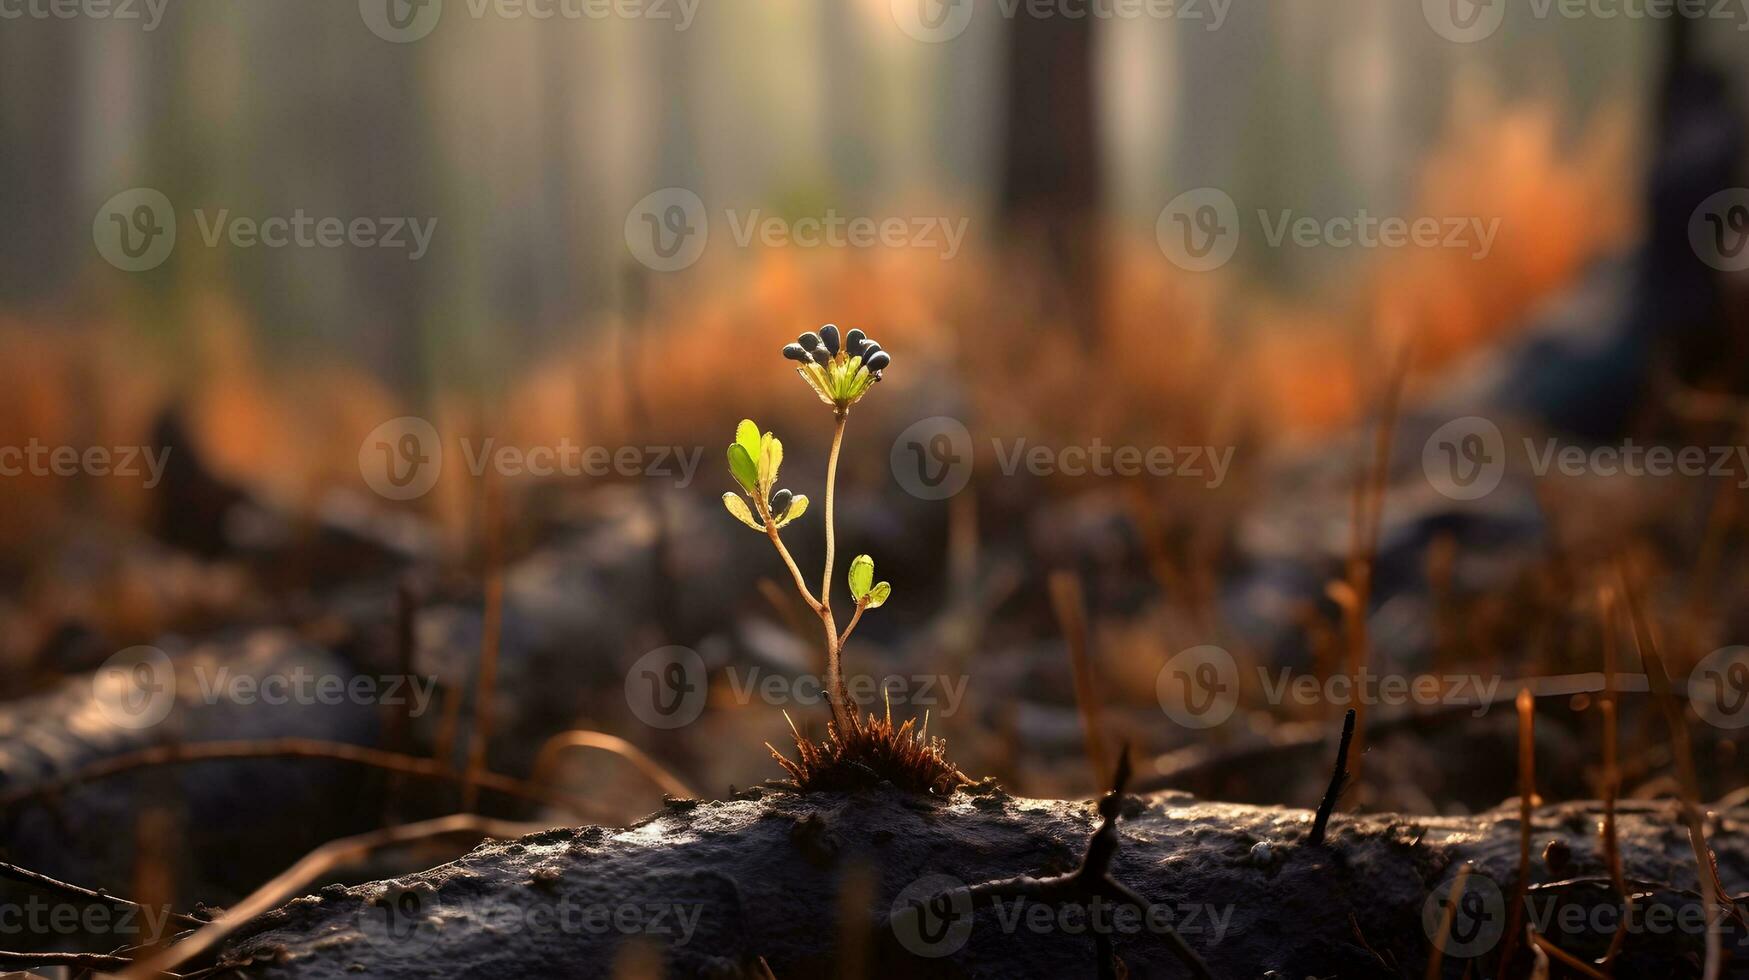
(868, 349)
(829, 334)
(878, 361)
(809, 341)
(779, 504)
(795, 353)
(821, 357)
(853, 342)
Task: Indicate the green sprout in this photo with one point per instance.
(841, 371)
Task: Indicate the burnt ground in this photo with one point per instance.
(822, 885)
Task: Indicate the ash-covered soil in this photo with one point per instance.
(822, 884)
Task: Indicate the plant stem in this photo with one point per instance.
(801, 586)
(853, 619)
(834, 668)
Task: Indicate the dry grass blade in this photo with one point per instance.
(1366, 515)
(1436, 957)
(579, 738)
(486, 683)
(1526, 806)
(1071, 609)
(321, 861)
(1707, 871)
(872, 749)
(296, 748)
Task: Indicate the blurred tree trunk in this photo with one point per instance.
(1050, 193)
(38, 196)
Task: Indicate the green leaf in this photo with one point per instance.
(742, 468)
(747, 437)
(861, 576)
(877, 596)
(798, 505)
(737, 505)
(770, 459)
(815, 376)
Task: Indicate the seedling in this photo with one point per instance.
(840, 370)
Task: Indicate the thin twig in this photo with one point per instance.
(1708, 873)
(1565, 958)
(29, 877)
(1071, 609)
(1436, 958)
(1338, 779)
(1526, 806)
(579, 738)
(486, 684)
(295, 748)
(319, 862)
(1093, 880)
(78, 961)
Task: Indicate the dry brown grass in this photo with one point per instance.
(871, 751)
